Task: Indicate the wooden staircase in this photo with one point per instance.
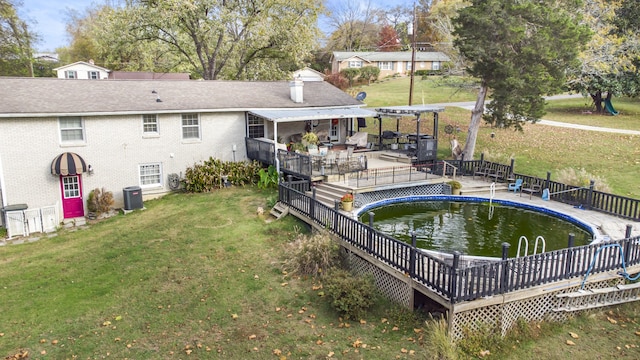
(328, 193)
(279, 210)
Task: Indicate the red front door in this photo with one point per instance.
(72, 203)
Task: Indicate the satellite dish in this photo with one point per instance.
(361, 96)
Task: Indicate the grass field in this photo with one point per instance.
(192, 276)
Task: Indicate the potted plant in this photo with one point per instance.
(347, 202)
(310, 139)
(455, 187)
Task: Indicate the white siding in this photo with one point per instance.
(82, 71)
(115, 147)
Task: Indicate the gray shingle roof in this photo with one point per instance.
(50, 96)
(390, 55)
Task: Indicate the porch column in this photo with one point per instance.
(275, 146)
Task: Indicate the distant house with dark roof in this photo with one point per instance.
(60, 139)
(389, 63)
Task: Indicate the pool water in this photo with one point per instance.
(473, 228)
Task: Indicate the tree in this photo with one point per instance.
(355, 26)
(369, 73)
(441, 17)
(16, 40)
(241, 39)
(97, 34)
(609, 63)
(350, 74)
(388, 39)
(520, 51)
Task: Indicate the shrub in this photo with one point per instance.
(337, 80)
(582, 178)
(100, 201)
(210, 174)
(311, 255)
(351, 295)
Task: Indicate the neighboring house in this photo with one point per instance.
(82, 70)
(308, 74)
(132, 133)
(389, 63)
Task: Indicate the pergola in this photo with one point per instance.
(422, 145)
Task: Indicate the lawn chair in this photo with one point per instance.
(481, 170)
(515, 186)
(534, 189)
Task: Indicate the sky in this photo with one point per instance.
(50, 17)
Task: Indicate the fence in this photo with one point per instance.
(449, 276)
(587, 198)
(389, 175)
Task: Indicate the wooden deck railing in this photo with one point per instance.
(448, 276)
(588, 198)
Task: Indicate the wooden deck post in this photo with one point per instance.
(505, 267)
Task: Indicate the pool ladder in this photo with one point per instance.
(539, 240)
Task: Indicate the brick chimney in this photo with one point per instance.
(296, 90)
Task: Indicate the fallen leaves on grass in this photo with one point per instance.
(573, 335)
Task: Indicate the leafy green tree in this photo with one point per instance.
(16, 41)
(211, 39)
(350, 73)
(370, 73)
(607, 65)
(520, 51)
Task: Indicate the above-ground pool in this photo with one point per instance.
(474, 227)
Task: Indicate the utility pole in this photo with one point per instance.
(413, 54)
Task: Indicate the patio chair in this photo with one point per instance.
(533, 189)
(515, 186)
(496, 175)
(329, 160)
(480, 171)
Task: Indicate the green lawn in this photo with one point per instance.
(193, 273)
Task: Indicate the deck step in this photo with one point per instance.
(279, 210)
(401, 158)
(595, 298)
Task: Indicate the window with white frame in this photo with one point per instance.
(150, 175)
(435, 65)
(70, 74)
(255, 126)
(93, 75)
(150, 124)
(71, 129)
(409, 63)
(190, 126)
(385, 65)
(355, 63)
